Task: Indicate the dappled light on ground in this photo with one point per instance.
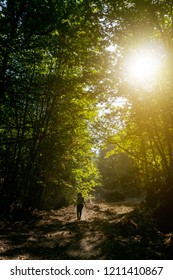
(105, 232)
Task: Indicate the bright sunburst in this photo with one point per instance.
(143, 67)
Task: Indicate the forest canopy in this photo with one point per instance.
(77, 76)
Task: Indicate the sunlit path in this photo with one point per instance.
(103, 233)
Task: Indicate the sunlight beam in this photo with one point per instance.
(142, 68)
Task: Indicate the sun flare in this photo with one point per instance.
(143, 67)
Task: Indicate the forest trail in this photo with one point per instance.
(56, 234)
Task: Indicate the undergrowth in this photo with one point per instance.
(136, 236)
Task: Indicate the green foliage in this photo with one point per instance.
(56, 72)
(142, 128)
(45, 107)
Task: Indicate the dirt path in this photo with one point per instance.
(57, 234)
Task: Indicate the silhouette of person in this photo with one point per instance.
(80, 204)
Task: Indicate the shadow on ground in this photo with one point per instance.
(108, 231)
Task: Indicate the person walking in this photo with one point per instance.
(80, 205)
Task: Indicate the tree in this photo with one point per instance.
(118, 172)
(143, 127)
(46, 107)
